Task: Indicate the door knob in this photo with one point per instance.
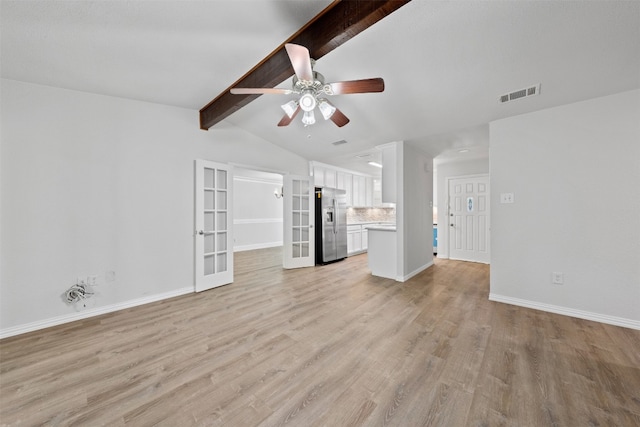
(201, 232)
(451, 225)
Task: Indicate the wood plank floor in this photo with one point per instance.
(326, 346)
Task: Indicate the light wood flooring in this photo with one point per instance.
(326, 346)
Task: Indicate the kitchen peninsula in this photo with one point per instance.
(382, 250)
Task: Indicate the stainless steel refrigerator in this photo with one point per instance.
(331, 225)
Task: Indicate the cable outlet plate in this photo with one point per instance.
(557, 278)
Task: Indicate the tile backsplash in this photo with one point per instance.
(371, 215)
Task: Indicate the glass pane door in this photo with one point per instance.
(298, 222)
(214, 252)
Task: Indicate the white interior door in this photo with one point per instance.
(298, 219)
(469, 219)
(214, 225)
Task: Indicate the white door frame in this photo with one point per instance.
(444, 232)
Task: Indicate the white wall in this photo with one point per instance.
(415, 229)
(575, 174)
(92, 184)
(258, 213)
(451, 170)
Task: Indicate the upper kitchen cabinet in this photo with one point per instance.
(324, 177)
(358, 187)
(344, 181)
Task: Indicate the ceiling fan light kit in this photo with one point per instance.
(326, 109)
(310, 85)
(290, 108)
(308, 100)
(308, 118)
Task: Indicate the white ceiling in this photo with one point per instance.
(444, 63)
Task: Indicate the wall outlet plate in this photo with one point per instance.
(557, 278)
(506, 198)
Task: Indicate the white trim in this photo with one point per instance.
(258, 180)
(72, 317)
(240, 221)
(256, 246)
(414, 272)
(314, 163)
(258, 169)
(587, 315)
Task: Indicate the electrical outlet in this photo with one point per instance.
(557, 278)
(506, 198)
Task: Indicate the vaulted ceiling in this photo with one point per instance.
(444, 63)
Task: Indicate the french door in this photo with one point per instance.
(213, 225)
(299, 238)
(469, 219)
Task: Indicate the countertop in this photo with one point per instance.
(371, 222)
(382, 227)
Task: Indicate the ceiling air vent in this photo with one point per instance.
(342, 141)
(521, 93)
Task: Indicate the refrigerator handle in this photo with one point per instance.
(335, 216)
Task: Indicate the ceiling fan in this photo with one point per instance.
(310, 85)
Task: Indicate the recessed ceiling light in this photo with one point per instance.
(376, 164)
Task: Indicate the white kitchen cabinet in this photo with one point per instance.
(368, 194)
(318, 176)
(330, 178)
(348, 184)
(344, 181)
(340, 180)
(354, 239)
(358, 187)
(377, 193)
(359, 191)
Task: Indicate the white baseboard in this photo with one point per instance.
(587, 315)
(256, 246)
(414, 272)
(72, 317)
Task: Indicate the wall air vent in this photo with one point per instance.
(342, 141)
(521, 93)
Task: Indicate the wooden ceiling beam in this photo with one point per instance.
(335, 25)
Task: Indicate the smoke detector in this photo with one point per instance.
(520, 93)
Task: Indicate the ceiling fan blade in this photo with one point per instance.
(357, 86)
(259, 91)
(300, 60)
(286, 119)
(339, 119)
